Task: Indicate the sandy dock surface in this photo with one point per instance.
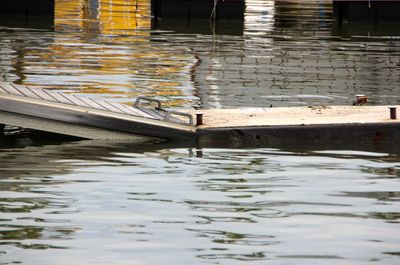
(215, 118)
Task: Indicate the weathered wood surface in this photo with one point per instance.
(300, 116)
(75, 100)
(77, 110)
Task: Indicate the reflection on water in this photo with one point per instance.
(94, 202)
(104, 50)
(284, 53)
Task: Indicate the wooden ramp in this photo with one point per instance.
(85, 117)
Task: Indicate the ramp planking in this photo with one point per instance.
(86, 117)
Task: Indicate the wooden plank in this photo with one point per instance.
(118, 106)
(11, 90)
(42, 94)
(76, 101)
(130, 111)
(138, 112)
(108, 106)
(91, 103)
(2, 90)
(125, 110)
(24, 90)
(52, 97)
(59, 97)
(154, 113)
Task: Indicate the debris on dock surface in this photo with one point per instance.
(249, 127)
(313, 115)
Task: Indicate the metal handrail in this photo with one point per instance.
(171, 112)
(138, 99)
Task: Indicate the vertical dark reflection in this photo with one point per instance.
(27, 14)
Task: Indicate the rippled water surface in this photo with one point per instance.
(284, 53)
(91, 202)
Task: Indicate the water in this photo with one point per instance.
(101, 203)
(91, 202)
(285, 53)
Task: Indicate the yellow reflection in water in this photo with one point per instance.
(106, 45)
(124, 16)
(69, 14)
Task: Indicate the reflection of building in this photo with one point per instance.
(366, 10)
(26, 8)
(282, 53)
(124, 16)
(372, 18)
(69, 15)
(197, 16)
(223, 79)
(287, 56)
(99, 47)
(195, 9)
(219, 78)
(27, 14)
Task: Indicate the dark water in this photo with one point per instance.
(91, 202)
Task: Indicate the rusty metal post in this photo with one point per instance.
(361, 99)
(199, 119)
(393, 113)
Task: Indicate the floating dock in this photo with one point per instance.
(84, 117)
(323, 124)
